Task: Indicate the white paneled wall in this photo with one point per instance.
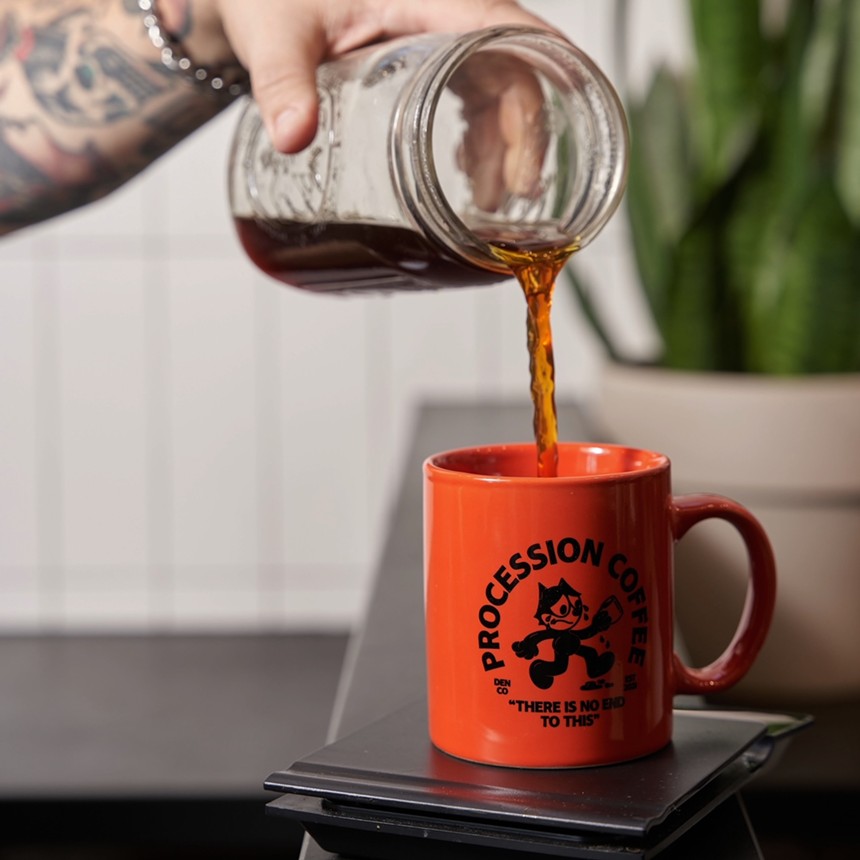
(185, 444)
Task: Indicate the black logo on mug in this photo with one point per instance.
(567, 626)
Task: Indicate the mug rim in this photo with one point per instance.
(643, 462)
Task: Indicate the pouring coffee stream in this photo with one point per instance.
(536, 269)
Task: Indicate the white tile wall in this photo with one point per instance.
(185, 444)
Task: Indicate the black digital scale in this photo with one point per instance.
(386, 793)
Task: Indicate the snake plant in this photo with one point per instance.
(744, 192)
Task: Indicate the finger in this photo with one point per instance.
(283, 78)
(483, 158)
(524, 132)
(282, 57)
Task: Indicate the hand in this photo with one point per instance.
(281, 43)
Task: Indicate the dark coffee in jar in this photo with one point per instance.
(331, 257)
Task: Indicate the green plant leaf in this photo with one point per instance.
(583, 294)
(805, 309)
(756, 247)
(792, 123)
(729, 78)
(744, 195)
(848, 143)
(661, 138)
(689, 331)
(659, 200)
(818, 322)
(818, 74)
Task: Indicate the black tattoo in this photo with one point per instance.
(124, 111)
(80, 77)
(32, 190)
(173, 123)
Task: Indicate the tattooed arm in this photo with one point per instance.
(85, 102)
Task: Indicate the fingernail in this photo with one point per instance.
(285, 130)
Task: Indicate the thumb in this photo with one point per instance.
(282, 58)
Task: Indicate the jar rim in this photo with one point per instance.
(414, 124)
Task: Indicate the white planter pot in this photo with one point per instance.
(789, 450)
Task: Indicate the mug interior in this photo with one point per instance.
(575, 460)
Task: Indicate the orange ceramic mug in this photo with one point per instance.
(549, 604)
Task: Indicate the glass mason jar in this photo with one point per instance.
(429, 150)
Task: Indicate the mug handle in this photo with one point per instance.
(757, 613)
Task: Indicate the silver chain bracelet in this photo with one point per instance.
(227, 82)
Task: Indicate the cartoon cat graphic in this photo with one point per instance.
(560, 611)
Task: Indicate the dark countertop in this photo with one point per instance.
(798, 803)
(146, 717)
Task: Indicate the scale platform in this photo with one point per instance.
(386, 792)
